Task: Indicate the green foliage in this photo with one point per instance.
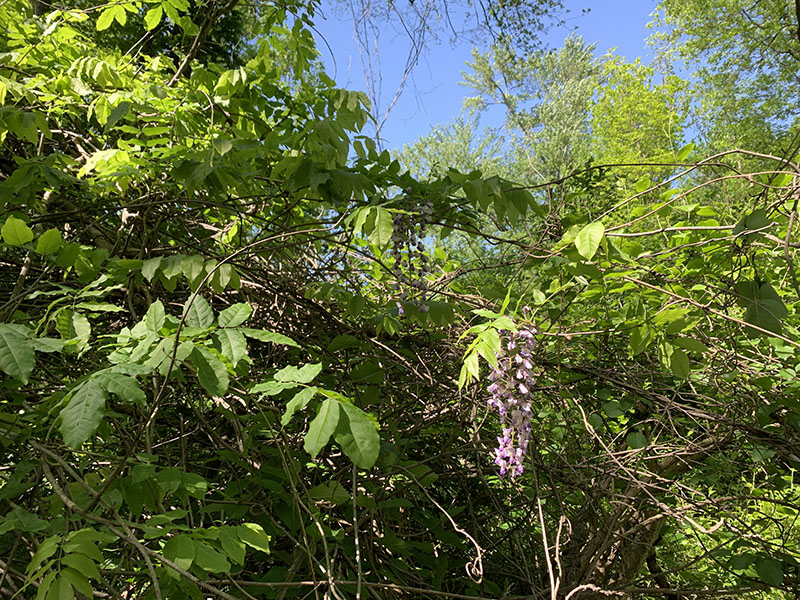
(634, 120)
(210, 385)
(744, 57)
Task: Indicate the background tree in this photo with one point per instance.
(546, 95)
(744, 56)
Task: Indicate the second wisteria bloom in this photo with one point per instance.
(510, 388)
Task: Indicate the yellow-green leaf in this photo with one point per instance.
(588, 239)
(105, 19)
(49, 242)
(153, 17)
(15, 232)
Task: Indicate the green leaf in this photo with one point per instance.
(78, 581)
(384, 226)
(271, 388)
(44, 586)
(150, 267)
(684, 152)
(270, 336)
(235, 315)
(299, 402)
(82, 416)
(765, 309)
(357, 436)
(679, 363)
(209, 559)
(49, 242)
(85, 541)
(232, 545)
(60, 589)
(120, 110)
(322, 427)
(612, 409)
(155, 316)
(254, 536)
(100, 307)
(45, 550)
(751, 222)
(770, 571)
(198, 313)
(193, 268)
(17, 358)
(82, 564)
(105, 19)
(304, 374)
(330, 491)
(231, 343)
(47, 344)
(153, 17)
(123, 386)
(211, 371)
(15, 232)
(222, 145)
(636, 440)
(180, 549)
(588, 239)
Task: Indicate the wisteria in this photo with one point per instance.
(411, 264)
(510, 387)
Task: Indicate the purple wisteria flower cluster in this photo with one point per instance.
(411, 264)
(510, 387)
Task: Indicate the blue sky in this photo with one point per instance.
(432, 94)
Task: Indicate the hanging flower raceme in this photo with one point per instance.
(510, 389)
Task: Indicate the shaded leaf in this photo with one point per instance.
(180, 549)
(679, 363)
(17, 358)
(209, 559)
(83, 414)
(232, 545)
(330, 491)
(322, 427)
(211, 371)
(636, 440)
(357, 436)
(770, 571)
(299, 402)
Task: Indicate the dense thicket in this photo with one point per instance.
(245, 354)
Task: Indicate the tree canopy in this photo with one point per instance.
(244, 353)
